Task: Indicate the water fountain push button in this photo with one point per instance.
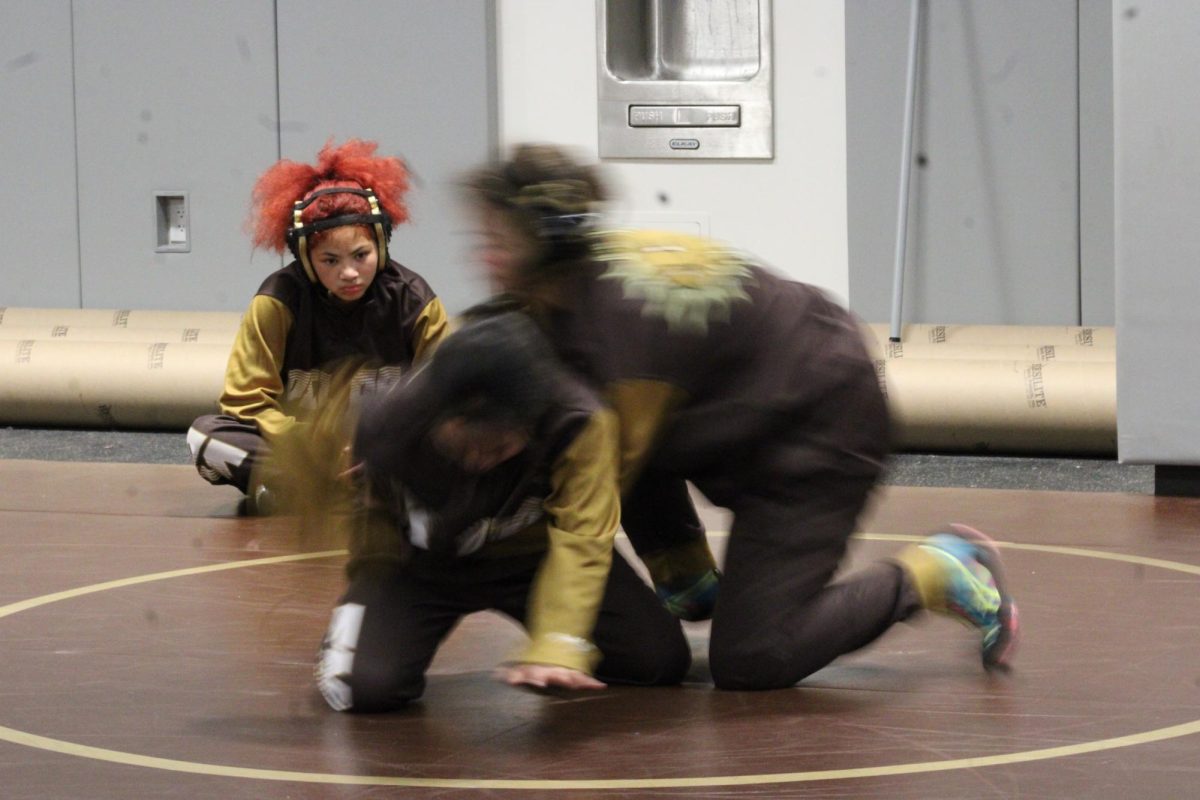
(685, 116)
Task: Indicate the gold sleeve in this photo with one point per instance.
(643, 408)
(433, 325)
(253, 387)
(584, 511)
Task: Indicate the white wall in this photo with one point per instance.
(155, 110)
(421, 52)
(996, 205)
(39, 237)
(1157, 126)
(790, 211)
(102, 104)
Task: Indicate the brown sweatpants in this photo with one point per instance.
(796, 500)
(392, 619)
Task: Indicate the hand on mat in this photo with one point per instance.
(544, 676)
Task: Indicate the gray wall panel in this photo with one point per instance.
(37, 168)
(993, 234)
(415, 76)
(172, 96)
(1157, 125)
(1097, 273)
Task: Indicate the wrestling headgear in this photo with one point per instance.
(298, 234)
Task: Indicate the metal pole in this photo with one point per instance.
(910, 97)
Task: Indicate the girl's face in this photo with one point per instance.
(504, 250)
(345, 261)
(477, 447)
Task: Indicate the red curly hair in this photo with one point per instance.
(353, 164)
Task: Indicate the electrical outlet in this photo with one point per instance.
(176, 221)
(172, 222)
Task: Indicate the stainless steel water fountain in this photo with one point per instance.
(685, 78)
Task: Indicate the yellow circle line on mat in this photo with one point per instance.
(222, 770)
(46, 599)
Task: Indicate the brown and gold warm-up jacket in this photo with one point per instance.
(719, 371)
(293, 333)
(559, 497)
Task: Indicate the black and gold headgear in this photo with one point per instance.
(298, 234)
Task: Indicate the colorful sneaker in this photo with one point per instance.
(961, 574)
(696, 600)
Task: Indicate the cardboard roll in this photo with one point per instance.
(84, 333)
(119, 318)
(100, 372)
(1002, 406)
(1045, 353)
(1037, 335)
(109, 384)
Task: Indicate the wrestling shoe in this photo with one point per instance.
(696, 600)
(959, 573)
(260, 501)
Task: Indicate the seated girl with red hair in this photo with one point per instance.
(342, 297)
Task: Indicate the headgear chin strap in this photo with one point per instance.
(558, 227)
(298, 234)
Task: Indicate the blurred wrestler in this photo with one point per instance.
(756, 389)
(491, 477)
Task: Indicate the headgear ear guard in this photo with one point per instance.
(298, 234)
(558, 207)
(557, 228)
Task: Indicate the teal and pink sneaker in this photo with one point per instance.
(695, 600)
(960, 573)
